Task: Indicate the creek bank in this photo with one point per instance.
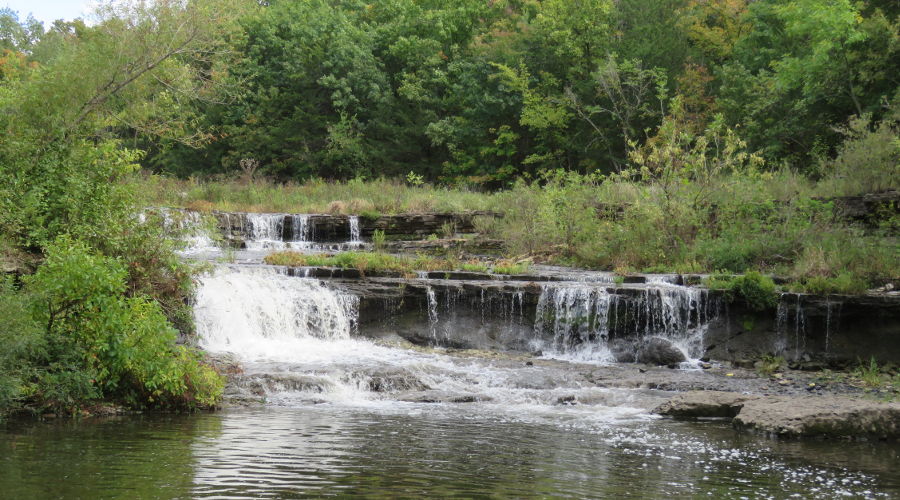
(824, 416)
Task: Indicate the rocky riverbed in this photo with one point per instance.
(788, 404)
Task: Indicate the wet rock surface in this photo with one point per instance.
(829, 416)
(792, 417)
(781, 405)
(705, 404)
(659, 351)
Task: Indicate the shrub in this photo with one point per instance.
(869, 159)
(102, 343)
(844, 283)
(21, 339)
(756, 290)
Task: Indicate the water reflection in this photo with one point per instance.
(420, 450)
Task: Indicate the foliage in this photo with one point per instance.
(770, 364)
(73, 336)
(868, 161)
(97, 310)
(510, 268)
(756, 290)
(362, 261)
(377, 262)
(369, 199)
(378, 239)
(474, 267)
(869, 373)
(125, 344)
(844, 283)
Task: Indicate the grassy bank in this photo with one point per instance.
(376, 261)
(773, 222)
(316, 196)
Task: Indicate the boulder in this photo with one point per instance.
(704, 404)
(623, 351)
(828, 416)
(659, 351)
(435, 396)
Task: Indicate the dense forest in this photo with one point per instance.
(634, 135)
(478, 92)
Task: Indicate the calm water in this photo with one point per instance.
(417, 450)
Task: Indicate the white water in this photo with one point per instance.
(295, 335)
(578, 318)
(266, 232)
(355, 238)
(259, 313)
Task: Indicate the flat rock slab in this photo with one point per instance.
(825, 416)
(780, 416)
(704, 404)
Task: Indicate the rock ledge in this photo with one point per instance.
(778, 416)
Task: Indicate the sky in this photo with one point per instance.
(48, 10)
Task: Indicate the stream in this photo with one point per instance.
(320, 409)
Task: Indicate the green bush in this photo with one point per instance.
(99, 342)
(756, 290)
(843, 283)
(20, 336)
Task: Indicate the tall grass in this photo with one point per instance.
(316, 196)
(732, 222)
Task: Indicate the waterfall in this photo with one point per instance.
(355, 235)
(432, 311)
(302, 230)
(581, 319)
(260, 313)
(266, 231)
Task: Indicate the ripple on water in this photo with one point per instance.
(439, 450)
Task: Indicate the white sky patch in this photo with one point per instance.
(48, 11)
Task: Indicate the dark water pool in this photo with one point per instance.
(425, 451)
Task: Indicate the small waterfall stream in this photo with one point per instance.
(259, 312)
(582, 320)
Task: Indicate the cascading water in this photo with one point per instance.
(302, 229)
(265, 231)
(581, 320)
(355, 237)
(296, 340)
(432, 311)
(577, 319)
(264, 314)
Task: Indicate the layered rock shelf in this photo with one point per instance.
(238, 226)
(484, 311)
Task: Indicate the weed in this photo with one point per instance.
(769, 364)
(756, 290)
(448, 229)
(511, 269)
(378, 239)
(474, 267)
(869, 373)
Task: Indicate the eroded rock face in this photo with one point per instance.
(704, 404)
(659, 351)
(820, 416)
